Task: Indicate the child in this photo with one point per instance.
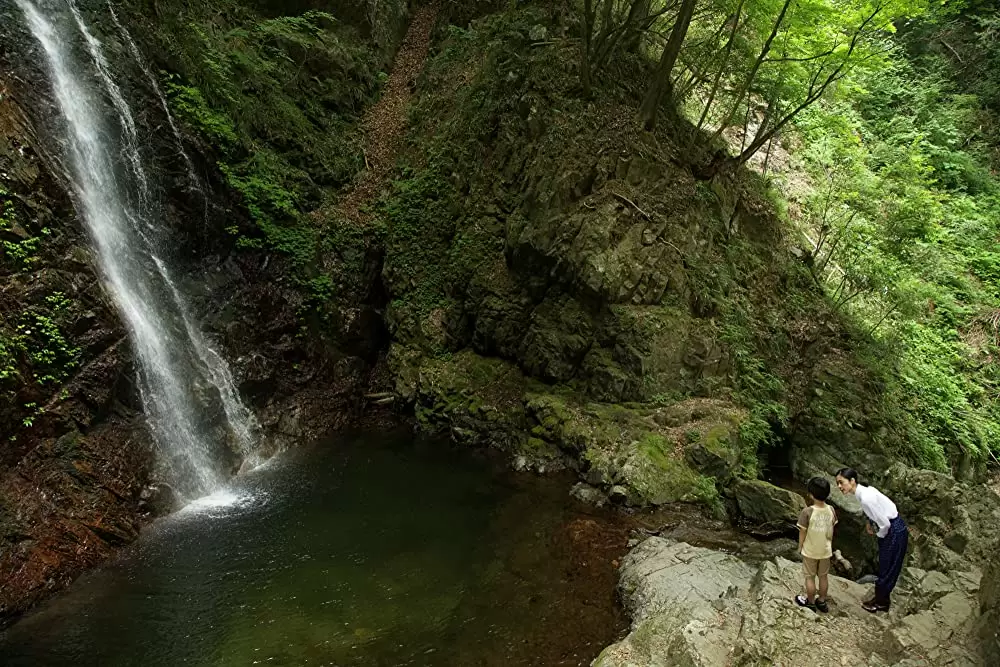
(816, 543)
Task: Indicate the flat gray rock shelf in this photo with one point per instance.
(695, 607)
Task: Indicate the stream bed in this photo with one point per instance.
(370, 549)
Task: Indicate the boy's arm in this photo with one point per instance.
(803, 525)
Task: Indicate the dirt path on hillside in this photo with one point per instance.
(384, 125)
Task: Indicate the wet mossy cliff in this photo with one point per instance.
(281, 98)
(538, 275)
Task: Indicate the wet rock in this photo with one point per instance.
(159, 499)
(768, 509)
(588, 494)
(597, 477)
(619, 494)
(695, 606)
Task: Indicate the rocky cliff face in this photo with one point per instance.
(989, 623)
(77, 473)
(562, 286)
(74, 458)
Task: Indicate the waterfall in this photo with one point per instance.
(134, 50)
(201, 428)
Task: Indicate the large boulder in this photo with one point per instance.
(714, 454)
(955, 522)
(954, 525)
(768, 509)
(695, 607)
(674, 593)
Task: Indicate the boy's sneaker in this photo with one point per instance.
(822, 606)
(803, 601)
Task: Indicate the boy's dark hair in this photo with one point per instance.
(848, 473)
(819, 488)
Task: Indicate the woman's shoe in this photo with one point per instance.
(873, 606)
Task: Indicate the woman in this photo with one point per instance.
(891, 530)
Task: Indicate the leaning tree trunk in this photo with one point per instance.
(660, 85)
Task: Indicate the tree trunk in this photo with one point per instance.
(753, 70)
(637, 17)
(660, 85)
(722, 67)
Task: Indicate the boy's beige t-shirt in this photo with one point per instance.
(818, 523)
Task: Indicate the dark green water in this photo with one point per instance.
(369, 550)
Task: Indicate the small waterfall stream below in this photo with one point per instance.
(368, 550)
(202, 429)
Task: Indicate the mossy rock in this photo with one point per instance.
(478, 399)
(621, 446)
(656, 475)
(714, 454)
(573, 426)
(557, 340)
(769, 509)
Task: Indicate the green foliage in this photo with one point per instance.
(10, 350)
(190, 106)
(420, 222)
(39, 342)
(906, 213)
(277, 99)
(42, 339)
(22, 252)
(756, 64)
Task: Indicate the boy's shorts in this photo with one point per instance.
(816, 567)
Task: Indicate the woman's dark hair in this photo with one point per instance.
(848, 473)
(818, 488)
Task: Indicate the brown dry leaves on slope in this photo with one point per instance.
(385, 123)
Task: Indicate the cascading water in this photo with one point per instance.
(134, 50)
(201, 428)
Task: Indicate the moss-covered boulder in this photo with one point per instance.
(625, 447)
(476, 399)
(768, 509)
(714, 454)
